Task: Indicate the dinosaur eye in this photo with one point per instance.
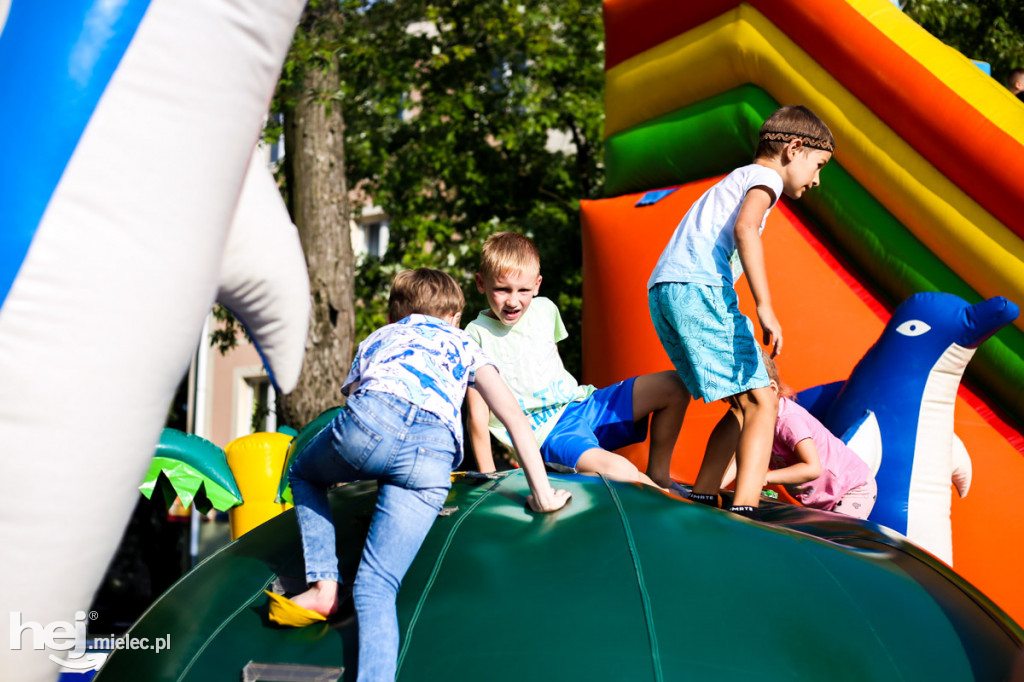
(913, 328)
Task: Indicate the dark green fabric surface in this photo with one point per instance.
(499, 593)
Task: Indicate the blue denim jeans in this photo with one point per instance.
(411, 453)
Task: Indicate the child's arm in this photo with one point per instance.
(807, 469)
(479, 433)
(751, 252)
(499, 398)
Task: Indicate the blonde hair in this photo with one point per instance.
(424, 291)
(793, 123)
(507, 252)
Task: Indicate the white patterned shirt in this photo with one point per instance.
(423, 360)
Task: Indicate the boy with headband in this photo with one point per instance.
(693, 302)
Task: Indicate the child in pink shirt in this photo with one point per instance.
(815, 467)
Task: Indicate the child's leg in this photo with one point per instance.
(310, 477)
(616, 467)
(719, 453)
(317, 530)
(760, 408)
(587, 432)
(410, 497)
(350, 448)
(400, 523)
(663, 396)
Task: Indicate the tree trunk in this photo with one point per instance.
(315, 172)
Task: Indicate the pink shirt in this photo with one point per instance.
(841, 468)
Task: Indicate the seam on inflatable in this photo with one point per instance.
(223, 624)
(645, 596)
(437, 568)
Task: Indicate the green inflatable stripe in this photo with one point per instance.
(718, 134)
(708, 138)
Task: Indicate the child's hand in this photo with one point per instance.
(555, 499)
(770, 328)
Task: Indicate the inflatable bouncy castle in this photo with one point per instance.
(920, 197)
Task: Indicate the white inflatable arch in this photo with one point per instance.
(128, 203)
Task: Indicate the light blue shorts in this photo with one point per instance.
(709, 341)
(604, 420)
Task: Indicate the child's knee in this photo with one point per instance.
(669, 383)
(667, 388)
(675, 388)
(758, 400)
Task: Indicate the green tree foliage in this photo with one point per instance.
(986, 30)
(449, 108)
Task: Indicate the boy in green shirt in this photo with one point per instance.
(577, 427)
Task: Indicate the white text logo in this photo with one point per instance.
(70, 637)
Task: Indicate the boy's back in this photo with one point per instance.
(702, 249)
(422, 360)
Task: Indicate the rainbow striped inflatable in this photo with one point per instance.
(924, 193)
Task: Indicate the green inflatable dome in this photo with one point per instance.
(624, 584)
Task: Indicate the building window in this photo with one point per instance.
(264, 408)
(255, 403)
(375, 238)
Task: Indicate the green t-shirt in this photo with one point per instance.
(527, 358)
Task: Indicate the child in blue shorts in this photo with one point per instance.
(693, 301)
(576, 426)
(402, 426)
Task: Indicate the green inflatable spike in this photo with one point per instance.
(284, 489)
(193, 469)
(625, 583)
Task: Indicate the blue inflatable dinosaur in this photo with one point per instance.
(896, 410)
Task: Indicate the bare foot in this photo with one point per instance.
(321, 597)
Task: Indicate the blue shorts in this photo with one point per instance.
(709, 341)
(604, 420)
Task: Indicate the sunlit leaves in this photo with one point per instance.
(448, 108)
(986, 30)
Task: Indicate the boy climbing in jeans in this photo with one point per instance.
(401, 426)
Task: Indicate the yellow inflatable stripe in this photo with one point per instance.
(742, 46)
(959, 74)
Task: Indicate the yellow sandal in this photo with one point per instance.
(284, 611)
